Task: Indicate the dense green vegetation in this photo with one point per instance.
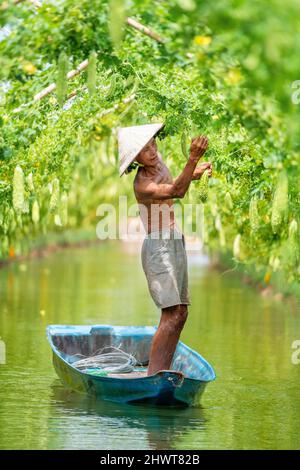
(58, 156)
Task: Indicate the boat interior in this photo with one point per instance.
(74, 343)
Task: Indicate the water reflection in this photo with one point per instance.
(81, 421)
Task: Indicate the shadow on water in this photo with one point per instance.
(138, 426)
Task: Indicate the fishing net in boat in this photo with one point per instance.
(109, 359)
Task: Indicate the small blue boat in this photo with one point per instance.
(183, 384)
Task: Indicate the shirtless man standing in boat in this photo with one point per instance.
(163, 253)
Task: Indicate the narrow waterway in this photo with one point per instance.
(254, 402)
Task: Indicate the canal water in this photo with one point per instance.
(254, 402)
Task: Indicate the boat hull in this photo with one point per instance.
(167, 388)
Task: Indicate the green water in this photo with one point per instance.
(254, 403)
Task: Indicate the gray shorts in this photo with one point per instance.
(164, 262)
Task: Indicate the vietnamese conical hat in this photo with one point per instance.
(131, 140)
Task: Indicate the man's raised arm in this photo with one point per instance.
(179, 187)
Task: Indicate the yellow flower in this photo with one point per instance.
(29, 68)
(202, 40)
(52, 100)
(267, 277)
(233, 77)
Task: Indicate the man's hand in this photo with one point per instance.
(198, 147)
(201, 169)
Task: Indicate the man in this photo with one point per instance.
(163, 252)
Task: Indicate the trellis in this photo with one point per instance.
(171, 107)
(83, 65)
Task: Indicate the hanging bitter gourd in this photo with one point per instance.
(274, 262)
(54, 195)
(203, 187)
(18, 190)
(112, 87)
(29, 181)
(219, 228)
(92, 73)
(293, 243)
(35, 212)
(116, 20)
(57, 220)
(237, 246)
(293, 229)
(61, 81)
(183, 143)
(12, 220)
(228, 201)
(253, 215)
(280, 203)
(63, 209)
(4, 246)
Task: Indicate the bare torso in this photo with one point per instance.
(155, 214)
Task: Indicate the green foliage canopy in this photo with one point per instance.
(67, 154)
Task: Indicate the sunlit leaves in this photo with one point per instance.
(188, 5)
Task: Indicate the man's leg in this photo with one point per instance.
(166, 337)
